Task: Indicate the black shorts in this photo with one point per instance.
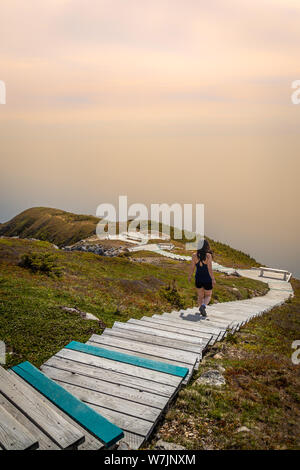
(206, 285)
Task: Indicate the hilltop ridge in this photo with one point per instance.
(66, 228)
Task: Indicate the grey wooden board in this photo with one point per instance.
(45, 443)
(13, 435)
(164, 324)
(128, 422)
(128, 369)
(191, 325)
(230, 313)
(144, 326)
(158, 351)
(90, 442)
(38, 410)
(129, 407)
(151, 339)
(233, 319)
(225, 324)
(196, 323)
(111, 377)
(133, 440)
(230, 318)
(133, 394)
(221, 324)
(156, 332)
(146, 356)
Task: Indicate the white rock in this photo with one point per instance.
(243, 429)
(211, 377)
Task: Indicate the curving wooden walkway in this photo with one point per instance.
(133, 370)
(119, 384)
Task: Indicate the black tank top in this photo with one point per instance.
(202, 272)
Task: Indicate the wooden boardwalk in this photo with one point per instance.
(129, 374)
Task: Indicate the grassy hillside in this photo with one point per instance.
(34, 326)
(261, 391)
(65, 228)
(53, 225)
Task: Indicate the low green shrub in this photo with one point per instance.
(45, 263)
(171, 294)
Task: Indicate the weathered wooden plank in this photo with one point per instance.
(148, 338)
(161, 351)
(97, 385)
(196, 324)
(45, 443)
(99, 426)
(133, 441)
(129, 359)
(189, 313)
(37, 410)
(167, 327)
(114, 403)
(146, 356)
(130, 423)
(161, 333)
(184, 326)
(14, 436)
(128, 369)
(109, 376)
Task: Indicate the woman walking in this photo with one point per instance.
(204, 277)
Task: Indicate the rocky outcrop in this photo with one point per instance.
(163, 445)
(97, 249)
(211, 377)
(84, 315)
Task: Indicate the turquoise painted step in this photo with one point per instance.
(128, 359)
(89, 419)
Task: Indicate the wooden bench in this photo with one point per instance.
(286, 274)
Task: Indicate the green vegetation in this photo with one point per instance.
(34, 326)
(41, 262)
(261, 391)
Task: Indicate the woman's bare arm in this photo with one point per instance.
(192, 267)
(210, 269)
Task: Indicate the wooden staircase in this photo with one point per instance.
(127, 377)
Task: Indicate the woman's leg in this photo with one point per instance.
(207, 296)
(200, 296)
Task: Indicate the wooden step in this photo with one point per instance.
(37, 409)
(14, 436)
(78, 363)
(166, 329)
(94, 377)
(45, 443)
(151, 339)
(93, 422)
(192, 323)
(112, 347)
(129, 359)
(162, 352)
(142, 328)
(165, 324)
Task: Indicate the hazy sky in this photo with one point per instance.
(164, 101)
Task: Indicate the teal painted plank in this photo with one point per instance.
(129, 359)
(96, 424)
